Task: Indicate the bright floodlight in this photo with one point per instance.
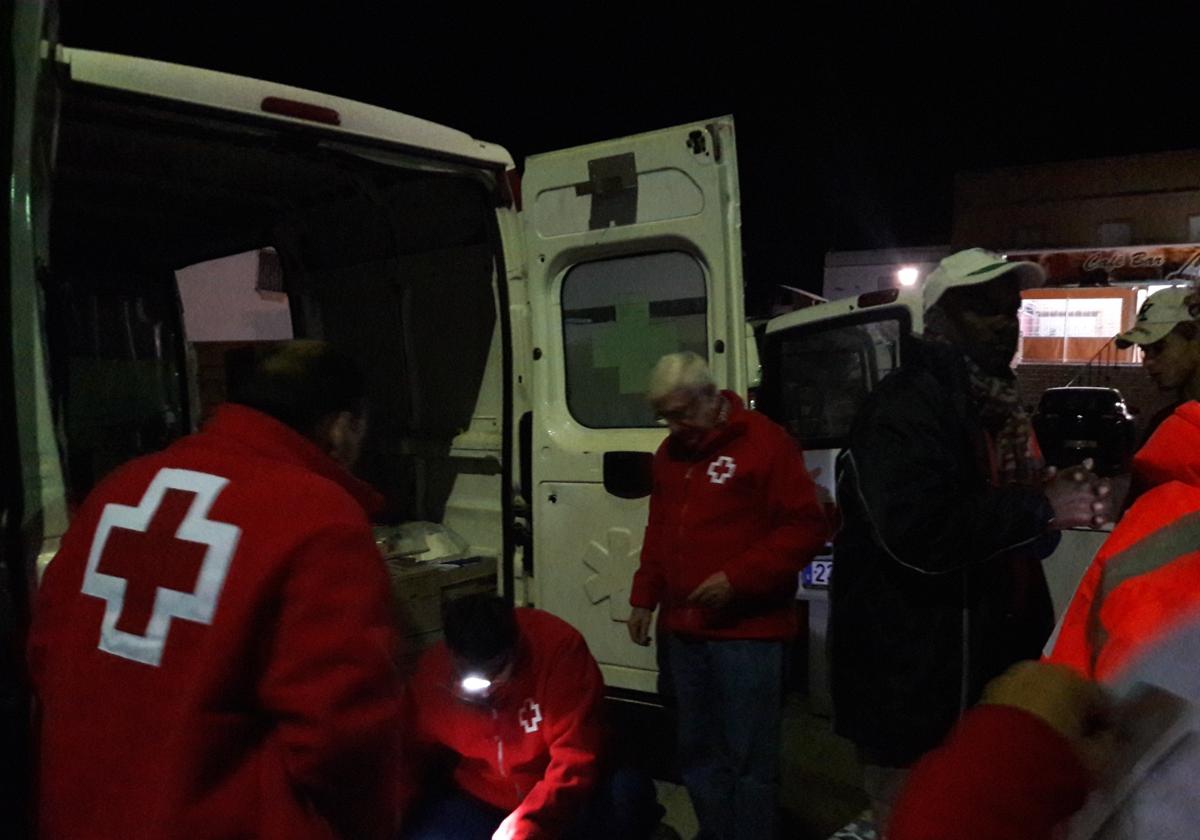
(475, 685)
(907, 276)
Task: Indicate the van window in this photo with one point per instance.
(117, 361)
(619, 317)
(824, 372)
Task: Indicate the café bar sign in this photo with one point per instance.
(1102, 267)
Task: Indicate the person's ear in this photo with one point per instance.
(344, 437)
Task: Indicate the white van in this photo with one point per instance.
(508, 325)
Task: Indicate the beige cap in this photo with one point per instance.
(1158, 316)
(973, 267)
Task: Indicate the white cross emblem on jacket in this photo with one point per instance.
(722, 469)
(530, 716)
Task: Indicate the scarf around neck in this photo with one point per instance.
(999, 405)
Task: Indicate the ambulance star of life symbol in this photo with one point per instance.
(218, 539)
(613, 564)
(530, 716)
(722, 469)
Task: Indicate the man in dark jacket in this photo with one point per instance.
(1019, 764)
(937, 583)
(734, 517)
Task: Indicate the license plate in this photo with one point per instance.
(816, 574)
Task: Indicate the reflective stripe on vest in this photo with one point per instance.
(1148, 555)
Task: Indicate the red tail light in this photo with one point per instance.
(514, 187)
(300, 110)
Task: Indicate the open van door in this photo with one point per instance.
(634, 251)
(32, 508)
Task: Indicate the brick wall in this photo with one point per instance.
(1141, 396)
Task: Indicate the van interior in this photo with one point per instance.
(392, 256)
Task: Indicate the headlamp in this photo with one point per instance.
(475, 684)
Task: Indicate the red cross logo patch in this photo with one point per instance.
(530, 716)
(162, 560)
(722, 469)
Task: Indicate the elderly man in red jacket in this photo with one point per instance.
(212, 650)
(510, 705)
(734, 517)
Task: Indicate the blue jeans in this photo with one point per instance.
(730, 700)
(623, 805)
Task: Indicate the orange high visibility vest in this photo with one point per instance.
(1143, 583)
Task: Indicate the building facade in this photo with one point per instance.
(1108, 233)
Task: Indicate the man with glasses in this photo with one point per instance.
(734, 517)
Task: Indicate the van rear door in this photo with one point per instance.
(633, 250)
(31, 498)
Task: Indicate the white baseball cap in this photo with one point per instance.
(1158, 316)
(973, 267)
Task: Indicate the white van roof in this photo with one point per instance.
(846, 306)
(240, 94)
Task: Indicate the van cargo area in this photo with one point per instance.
(393, 257)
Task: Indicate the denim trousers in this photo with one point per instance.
(730, 704)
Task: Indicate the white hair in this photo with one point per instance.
(683, 371)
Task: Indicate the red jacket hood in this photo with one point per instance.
(1173, 451)
(271, 438)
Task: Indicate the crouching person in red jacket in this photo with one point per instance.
(212, 649)
(508, 709)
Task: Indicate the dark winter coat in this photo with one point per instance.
(937, 585)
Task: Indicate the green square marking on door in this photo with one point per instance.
(632, 345)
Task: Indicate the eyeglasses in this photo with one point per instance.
(675, 415)
(688, 411)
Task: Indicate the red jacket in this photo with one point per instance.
(532, 747)
(1003, 774)
(742, 503)
(212, 649)
(1145, 580)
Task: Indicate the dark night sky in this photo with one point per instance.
(851, 124)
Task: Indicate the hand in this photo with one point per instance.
(1079, 498)
(715, 592)
(639, 625)
(507, 830)
(1075, 707)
